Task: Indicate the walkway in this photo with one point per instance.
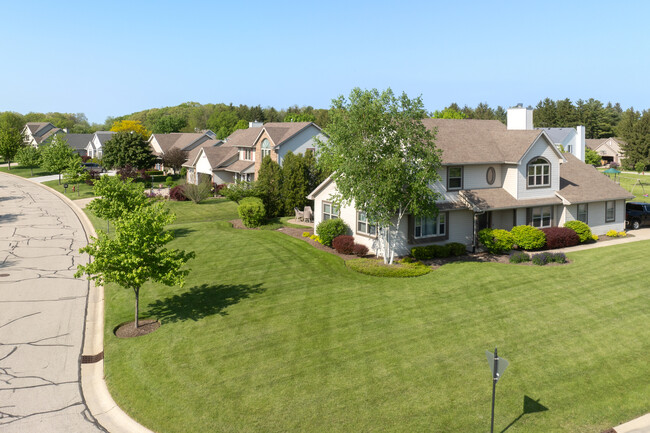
(42, 311)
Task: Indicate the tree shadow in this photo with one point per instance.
(530, 406)
(7, 218)
(201, 301)
(8, 198)
(181, 232)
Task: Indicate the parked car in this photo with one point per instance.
(637, 214)
(92, 167)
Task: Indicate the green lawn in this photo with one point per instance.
(270, 334)
(630, 181)
(82, 190)
(25, 172)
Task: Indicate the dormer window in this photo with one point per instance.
(266, 148)
(454, 178)
(539, 173)
(248, 154)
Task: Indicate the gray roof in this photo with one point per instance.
(241, 167)
(582, 183)
(78, 141)
(558, 135)
(499, 198)
(243, 137)
(104, 136)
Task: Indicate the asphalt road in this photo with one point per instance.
(42, 311)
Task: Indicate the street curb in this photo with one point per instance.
(98, 399)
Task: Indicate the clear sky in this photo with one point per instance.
(114, 58)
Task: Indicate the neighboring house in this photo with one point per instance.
(78, 142)
(186, 141)
(253, 144)
(94, 146)
(210, 161)
(609, 149)
(569, 140)
(37, 133)
(498, 177)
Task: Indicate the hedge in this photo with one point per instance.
(439, 251)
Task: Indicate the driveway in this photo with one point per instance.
(42, 312)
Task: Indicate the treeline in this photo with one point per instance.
(74, 123)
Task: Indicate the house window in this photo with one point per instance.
(330, 211)
(454, 178)
(490, 175)
(582, 213)
(363, 226)
(266, 148)
(426, 227)
(541, 216)
(610, 211)
(539, 173)
(248, 154)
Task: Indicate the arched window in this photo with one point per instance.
(539, 173)
(266, 148)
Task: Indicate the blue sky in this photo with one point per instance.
(114, 58)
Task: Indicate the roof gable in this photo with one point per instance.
(543, 136)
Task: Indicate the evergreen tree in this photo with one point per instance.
(295, 182)
(269, 186)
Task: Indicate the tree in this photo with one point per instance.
(299, 117)
(637, 138)
(126, 148)
(56, 155)
(75, 172)
(116, 197)
(269, 187)
(295, 182)
(11, 120)
(174, 158)
(169, 123)
(137, 253)
(383, 159)
(29, 157)
(448, 113)
(592, 157)
(131, 126)
(11, 141)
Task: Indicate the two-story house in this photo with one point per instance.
(37, 133)
(185, 141)
(96, 143)
(497, 176)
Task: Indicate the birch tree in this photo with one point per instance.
(384, 160)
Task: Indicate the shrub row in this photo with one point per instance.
(498, 241)
(429, 252)
(344, 244)
(615, 234)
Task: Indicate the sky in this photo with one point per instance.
(114, 58)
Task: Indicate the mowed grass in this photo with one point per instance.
(637, 184)
(25, 172)
(270, 334)
(82, 190)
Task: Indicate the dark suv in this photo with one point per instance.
(637, 214)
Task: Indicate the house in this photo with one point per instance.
(250, 147)
(37, 133)
(78, 142)
(496, 176)
(185, 141)
(609, 149)
(94, 146)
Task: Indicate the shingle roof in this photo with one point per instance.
(243, 137)
(282, 131)
(47, 135)
(78, 141)
(217, 156)
(241, 167)
(499, 198)
(104, 136)
(471, 141)
(557, 135)
(582, 183)
(35, 126)
(178, 140)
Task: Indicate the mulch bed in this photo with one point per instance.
(297, 233)
(128, 330)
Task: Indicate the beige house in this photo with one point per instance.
(498, 177)
(185, 141)
(37, 133)
(609, 149)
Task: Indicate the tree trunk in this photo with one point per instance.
(31, 170)
(137, 305)
(59, 178)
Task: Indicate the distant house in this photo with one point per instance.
(210, 162)
(494, 176)
(252, 145)
(78, 142)
(37, 133)
(609, 149)
(185, 141)
(94, 146)
(570, 140)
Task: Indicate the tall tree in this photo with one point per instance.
(383, 159)
(11, 120)
(169, 123)
(269, 187)
(137, 253)
(29, 157)
(11, 141)
(637, 146)
(174, 159)
(131, 126)
(56, 155)
(295, 182)
(126, 148)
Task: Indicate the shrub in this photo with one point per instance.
(457, 249)
(251, 211)
(528, 237)
(582, 230)
(519, 257)
(183, 172)
(594, 237)
(169, 182)
(176, 193)
(432, 252)
(239, 190)
(496, 241)
(329, 229)
(560, 237)
(306, 234)
(218, 187)
(153, 172)
(127, 172)
(343, 244)
(360, 250)
(542, 259)
(315, 237)
(379, 269)
(197, 193)
(612, 233)
(407, 259)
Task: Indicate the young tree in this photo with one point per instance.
(592, 157)
(384, 160)
(295, 182)
(29, 157)
(75, 172)
(269, 187)
(10, 143)
(131, 126)
(174, 158)
(116, 197)
(56, 155)
(126, 148)
(137, 253)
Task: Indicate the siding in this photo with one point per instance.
(302, 141)
(540, 148)
(596, 217)
(475, 177)
(510, 174)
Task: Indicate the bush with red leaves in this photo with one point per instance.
(343, 244)
(560, 237)
(218, 187)
(176, 193)
(360, 250)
